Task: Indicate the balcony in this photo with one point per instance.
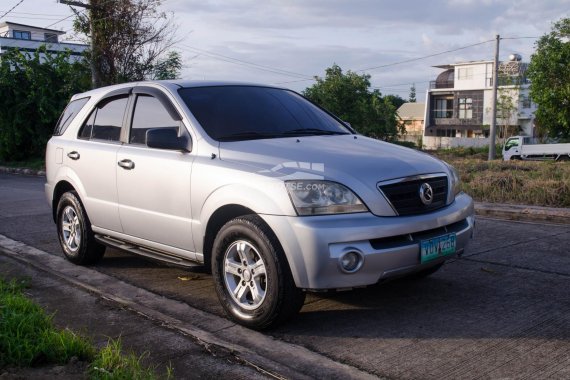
(436, 84)
(455, 121)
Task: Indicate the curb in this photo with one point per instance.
(22, 171)
(270, 356)
(523, 212)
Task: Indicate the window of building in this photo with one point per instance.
(465, 108)
(149, 113)
(105, 121)
(22, 35)
(50, 37)
(465, 73)
(445, 132)
(525, 100)
(443, 108)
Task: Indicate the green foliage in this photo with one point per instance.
(407, 144)
(27, 335)
(349, 97)
(168, 68)
(112, 364)
(35, 88)
(549, 73)
(395, 100)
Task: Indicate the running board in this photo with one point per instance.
(146, 252)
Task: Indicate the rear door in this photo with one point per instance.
(154, 184)
(92, 160)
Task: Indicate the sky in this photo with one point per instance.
(288, 42)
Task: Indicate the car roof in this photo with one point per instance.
(171, 84)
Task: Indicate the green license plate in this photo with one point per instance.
(437, 247)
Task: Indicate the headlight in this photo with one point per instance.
(311, 197)
(455, 181)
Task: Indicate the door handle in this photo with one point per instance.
(73, 155)
(126, 164)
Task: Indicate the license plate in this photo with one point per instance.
(437, 247)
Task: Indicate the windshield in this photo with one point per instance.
(233, 113)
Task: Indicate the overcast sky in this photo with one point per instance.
(287, 42)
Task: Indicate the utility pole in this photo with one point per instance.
(95, 75)
(493, 131)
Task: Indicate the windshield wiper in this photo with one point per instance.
(313, 131)
(248, 135)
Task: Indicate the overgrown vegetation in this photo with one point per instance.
(28, 338)
(517, 182)
(35, 88)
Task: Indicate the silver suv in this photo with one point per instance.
(275, 194)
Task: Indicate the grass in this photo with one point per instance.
(545, 183)
(28, 338)
(27, 335)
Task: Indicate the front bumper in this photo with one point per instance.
(389, 245)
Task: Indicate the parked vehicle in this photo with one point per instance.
(522, 148)
(274, 194)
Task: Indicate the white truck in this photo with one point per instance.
(522, 148)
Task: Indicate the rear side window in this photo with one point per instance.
(68, 115)
(105, 121)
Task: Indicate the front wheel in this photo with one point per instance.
(252, 278)
(74, 231)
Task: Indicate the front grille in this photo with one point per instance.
(405, 195)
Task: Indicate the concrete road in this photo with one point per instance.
(500, 311)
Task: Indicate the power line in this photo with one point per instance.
(11, 9)
(241, 62)
(423, 57)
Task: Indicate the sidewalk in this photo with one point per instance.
(196, 343)
(101, 319)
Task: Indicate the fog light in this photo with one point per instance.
(351, 261)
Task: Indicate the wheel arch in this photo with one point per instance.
(61, 188)
(221, 216)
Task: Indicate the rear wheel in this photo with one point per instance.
(252, 278)
(74, 231)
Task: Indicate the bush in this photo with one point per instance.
(35, 88)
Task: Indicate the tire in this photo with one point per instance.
(74, 231)
(251, 275)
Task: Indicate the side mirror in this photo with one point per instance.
(167, 138)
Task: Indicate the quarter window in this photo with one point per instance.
(68, 115)
(149, 113)
(465, 108)
(105, 121)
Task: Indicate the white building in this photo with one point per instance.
(458, 104)
(28, 38)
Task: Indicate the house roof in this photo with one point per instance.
(8, 23)
(412, 111)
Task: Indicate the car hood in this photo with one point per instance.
(330, 157)
(355, 161)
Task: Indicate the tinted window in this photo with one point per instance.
(87, 129)
(245, 112)
(68, 115)
(108, 119)
(149, 113)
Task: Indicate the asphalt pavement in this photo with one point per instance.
(500, 311)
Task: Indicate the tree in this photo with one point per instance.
(349, 97)
(395, 100)
(128, 37)
(549, 74)
(169, 67)
(412, 98)
(35, 88)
